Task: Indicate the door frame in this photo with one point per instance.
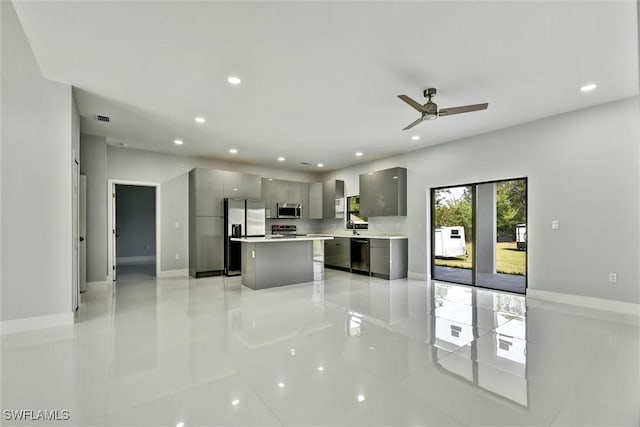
(75, 233)
(111, 188)
(431, 220)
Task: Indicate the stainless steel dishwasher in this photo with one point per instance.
(360, 256)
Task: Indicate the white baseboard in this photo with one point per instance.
(589, 302)
(133, 260)
(417, 276)
(37, 322)
(173, 273)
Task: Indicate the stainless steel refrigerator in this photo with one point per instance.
(242, 218)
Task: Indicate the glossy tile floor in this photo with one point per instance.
(345, 351)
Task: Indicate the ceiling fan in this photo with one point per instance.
(430, 111)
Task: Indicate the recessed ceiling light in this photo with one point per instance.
(178, 142)
(235, 189)
(361, 398)
(359, 154)
(235, 402)
(320, 368)
(320, 165)
(200, 119)
(180, 424)
(233, 151)
(415, 137)
(589, 87)
(234, 80)
(281, 159)
(281, 385)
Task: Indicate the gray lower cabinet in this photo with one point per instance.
(337, 253)
(388, 258)
(209, 244)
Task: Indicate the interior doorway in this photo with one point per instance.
(134, 219)
(479, 234)
(135, 243)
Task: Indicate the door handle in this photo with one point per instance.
(81, 239)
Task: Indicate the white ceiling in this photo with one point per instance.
(321, 79)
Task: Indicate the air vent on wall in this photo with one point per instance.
(103, 118)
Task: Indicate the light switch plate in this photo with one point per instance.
(555, 224)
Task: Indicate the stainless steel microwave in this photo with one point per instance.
(289, 210)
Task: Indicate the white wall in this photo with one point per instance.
(172, 174)
(37, 138)
(93, 164)
(583, 171)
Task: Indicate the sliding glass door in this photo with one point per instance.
(479, 234)
(452, 236)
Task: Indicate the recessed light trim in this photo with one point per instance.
(415, 137)
(200, 119)
(588, 87)
(359, 153)
(233, 151)
(235, 402)
(234, 80)
(320, 165)
(281, 159)
(178, 142)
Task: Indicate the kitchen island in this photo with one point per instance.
(277, 261)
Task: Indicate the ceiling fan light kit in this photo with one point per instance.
(429, 111)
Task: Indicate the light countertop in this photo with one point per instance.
(361, 236)
(270, 239)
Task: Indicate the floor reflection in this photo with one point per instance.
(468, 349)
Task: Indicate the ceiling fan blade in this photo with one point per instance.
(413, 103)
(464, 109)
(413, 124)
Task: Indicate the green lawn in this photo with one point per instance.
(510, 260)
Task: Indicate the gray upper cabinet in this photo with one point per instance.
(291, 192)
(241, 185)
(270, 196)
(333, 203)
(314, 207)
(384, 193)
(304, 199)
(207, 196)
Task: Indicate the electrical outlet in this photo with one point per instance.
(613, 277)
(177, 256)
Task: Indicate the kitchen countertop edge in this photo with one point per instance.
(280, 239)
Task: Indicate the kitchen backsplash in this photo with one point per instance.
(377, 225)
(303, 226)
